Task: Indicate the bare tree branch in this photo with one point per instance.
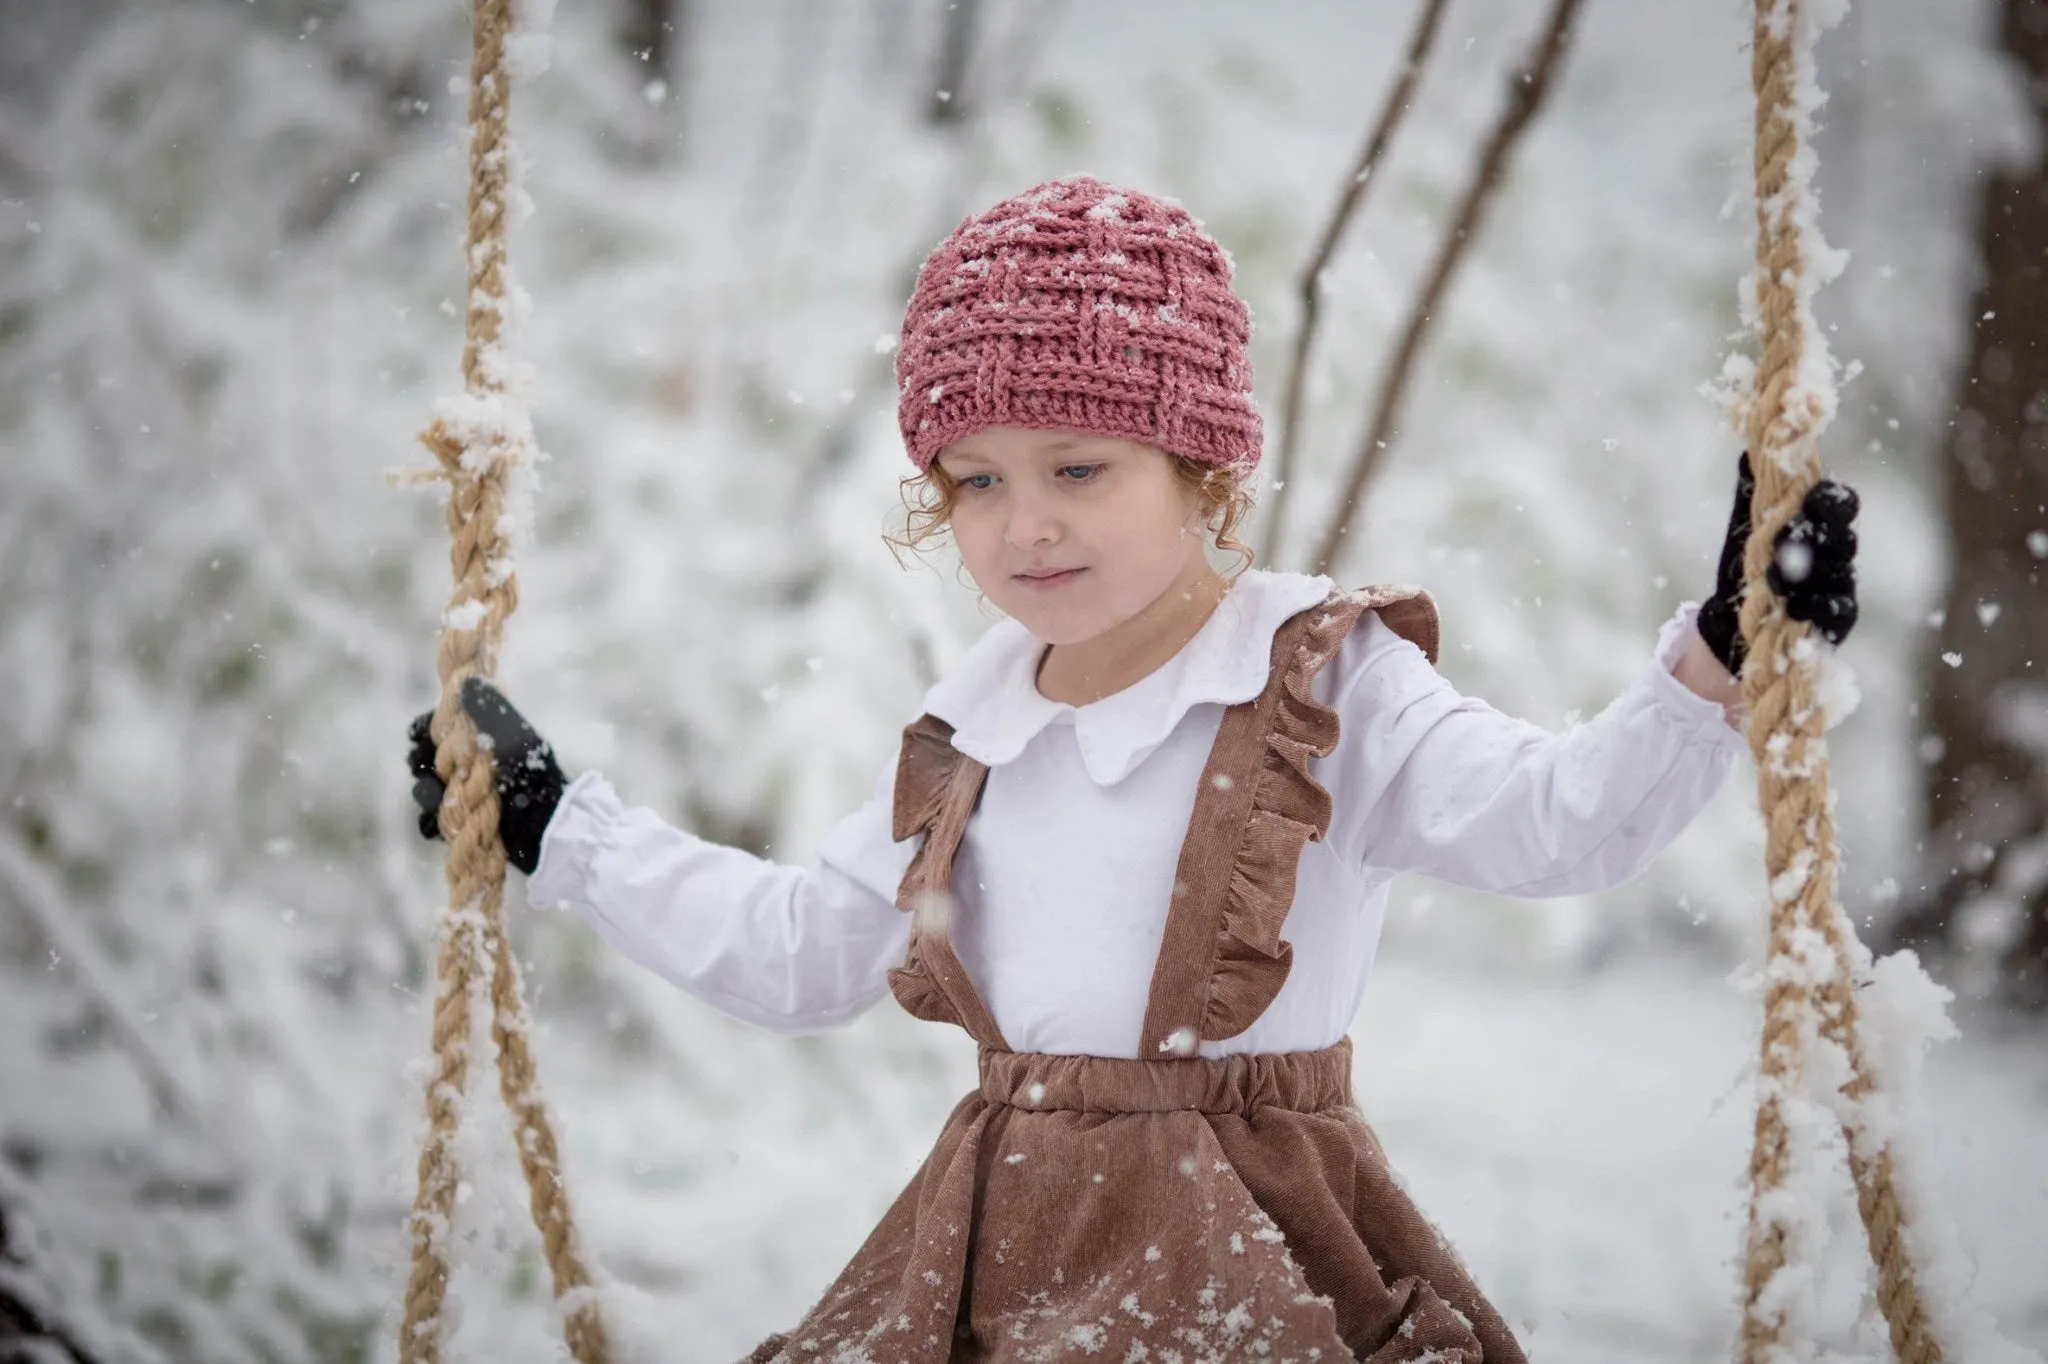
(1526, 91)
(1392, 110)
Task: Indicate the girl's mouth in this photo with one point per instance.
(1050, 580)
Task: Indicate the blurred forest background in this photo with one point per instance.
(229, 289)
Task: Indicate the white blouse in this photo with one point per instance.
(1063, 880)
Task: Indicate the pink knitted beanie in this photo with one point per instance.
(1079, 305)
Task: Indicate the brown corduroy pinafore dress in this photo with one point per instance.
(1174, 1210)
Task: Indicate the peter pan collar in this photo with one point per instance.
(991, 695)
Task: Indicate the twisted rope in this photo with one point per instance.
(1814, 955)
(477, 978)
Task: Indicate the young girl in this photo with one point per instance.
(1138, 845)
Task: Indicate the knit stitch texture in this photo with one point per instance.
(1078, 305)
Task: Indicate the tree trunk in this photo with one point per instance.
(1985, 694)
(956, 51)
(655, 35)
(653, 32)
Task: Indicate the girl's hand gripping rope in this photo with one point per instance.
(529, 780)
(1813, 568)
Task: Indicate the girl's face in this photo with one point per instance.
(1070, 533)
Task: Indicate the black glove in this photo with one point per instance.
(529, 780)
(1813, 568)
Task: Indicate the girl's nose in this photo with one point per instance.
(1031, 525)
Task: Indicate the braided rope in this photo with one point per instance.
(1814, 955)
(476, 973)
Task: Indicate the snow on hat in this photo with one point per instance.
(1079, 305)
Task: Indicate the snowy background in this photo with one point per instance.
(229, 278)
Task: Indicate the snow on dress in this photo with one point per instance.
(1176, 1206)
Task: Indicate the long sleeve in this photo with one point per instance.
(1426, 780)
(793, 949)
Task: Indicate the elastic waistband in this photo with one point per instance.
(1305, 1081)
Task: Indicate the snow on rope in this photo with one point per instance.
(1815, 1069)
(484, 444)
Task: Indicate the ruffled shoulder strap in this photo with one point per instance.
(1222, 961)
(937, 789)
(1408, 611)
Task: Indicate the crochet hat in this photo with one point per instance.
(1079, 305)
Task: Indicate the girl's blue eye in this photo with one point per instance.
(982, 482)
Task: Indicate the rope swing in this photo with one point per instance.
(1810, 1014)
(483, 441)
